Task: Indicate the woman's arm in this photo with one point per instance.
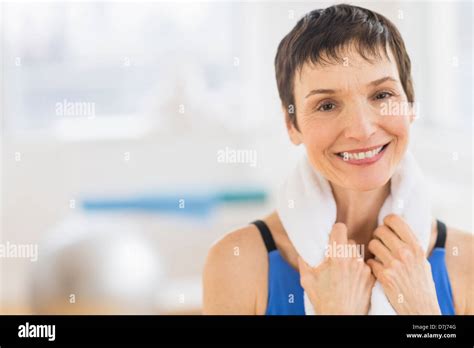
(235, 270)
(460, 264)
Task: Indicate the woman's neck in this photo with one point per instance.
(359, 210)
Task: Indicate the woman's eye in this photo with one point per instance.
(326, 107)
(383, 95)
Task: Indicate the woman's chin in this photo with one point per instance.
(366, 183)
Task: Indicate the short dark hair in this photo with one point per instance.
(321, 35)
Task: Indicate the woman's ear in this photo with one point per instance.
(293, 132)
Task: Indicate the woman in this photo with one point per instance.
(336, 70)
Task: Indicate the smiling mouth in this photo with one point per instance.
(358, 155)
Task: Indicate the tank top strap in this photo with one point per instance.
(266, 235)
(441, 238)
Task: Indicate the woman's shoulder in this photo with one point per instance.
(460, 264)
(235, 269)
(459, 244)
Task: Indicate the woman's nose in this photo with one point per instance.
(361, 122)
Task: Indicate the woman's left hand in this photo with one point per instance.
(402, 268)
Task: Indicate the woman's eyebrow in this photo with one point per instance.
(382, 80)
(332, 91)
(320, 91)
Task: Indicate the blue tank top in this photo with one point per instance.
(285, 294)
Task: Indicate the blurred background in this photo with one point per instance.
(136, 134)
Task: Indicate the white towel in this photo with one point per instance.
(307, 210)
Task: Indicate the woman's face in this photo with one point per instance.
(351, 120)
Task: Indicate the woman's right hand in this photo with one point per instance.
(341, 284)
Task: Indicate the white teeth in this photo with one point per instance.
(360, 155)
